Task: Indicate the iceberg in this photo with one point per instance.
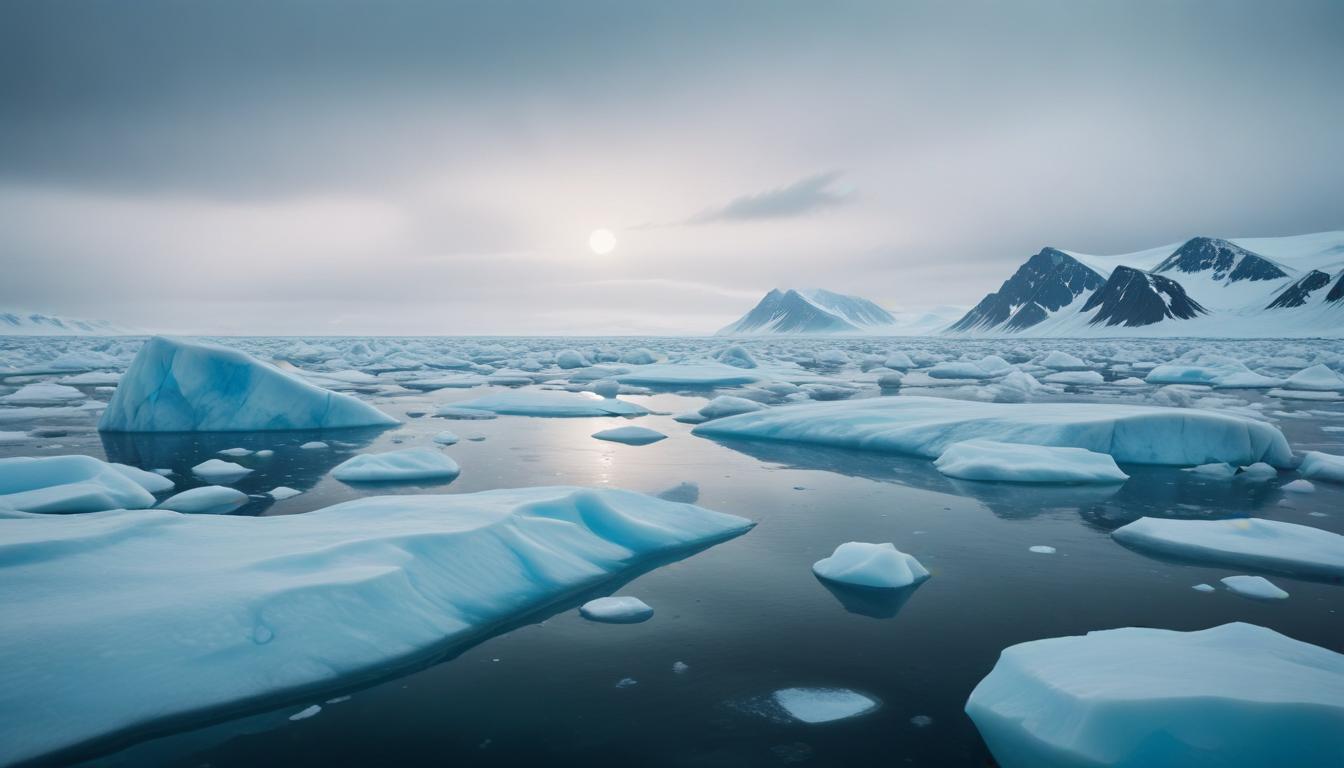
(630, 435)
(550, 403)
(1234, 696)
(174, 385)
(1018, 463)
(880, 566)
(294, 603)
(1322, 466)
(206, 500)
(1266, 545)
(397, 466)
(927, 426)
(68, 484)
(617, 610)
(220, 471)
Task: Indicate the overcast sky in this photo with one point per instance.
(436, 167)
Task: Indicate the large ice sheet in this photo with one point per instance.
(1268, 545)
(926, 426)
(182, 386)
(118, 619)
(1234, 696)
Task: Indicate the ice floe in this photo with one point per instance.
(617, 610)
(1234, 696)
(823, 705)
(220, 471)
(294, 602)
(1019, 463)
(1322, 466)
(1267, 545)
(1257, 587)
(631, 435)
(550, 403)
(206, 500)
(68, 484)
(861, 564)
(406, 465)
(42, 393)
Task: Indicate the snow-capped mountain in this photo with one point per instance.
(17, 323)
(1248, 287)
(810, 311)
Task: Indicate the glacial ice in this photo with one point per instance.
(1267, 545)
(1233, 696)
(631, 435)
(206, 500)
(109, 624)
(550, 403)
(68, 484)
(880, 566)
(926, 426)
(1019, 463)
(617, 610)
(1256, 587)
(406, 465)
(174, 385)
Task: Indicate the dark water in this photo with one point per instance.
(747, 616)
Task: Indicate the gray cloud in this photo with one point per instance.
(807, 195)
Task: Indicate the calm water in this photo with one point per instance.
(747, 616)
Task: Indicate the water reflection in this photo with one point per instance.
(867, 601)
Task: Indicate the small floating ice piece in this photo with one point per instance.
(1202, 588)
(154, 482)
(688, 375)
(220, 471)
(42, 393)
(306, 712)
(235, 452)
(314, 445)
(680, 667)
(282, 492)
(862, 564)
(685, 492)
(631, 435)
(823, 705)
(464, 414)
(445, 438)
(1042, 549)
(206, 500)
(729, 405)
(617, 610)
(1322, 466)
(551, 403)
(1075, 377)
(1258, 471)
(626, 682)
(1011, 462)
(921, 721)
(1218, 469)
(1298, 486)
(1318, 377)
(397, 466)
(1249, 542)
(1257, 587)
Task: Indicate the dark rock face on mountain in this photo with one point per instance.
(1048, 281)
(1297, 293)
(1223, 259)
(1134, 298)
(1337, 292)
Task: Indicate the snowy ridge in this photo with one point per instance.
(819, 311)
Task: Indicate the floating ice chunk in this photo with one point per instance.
(639, 356)
(1042, 549)
(306, 713)
(684, 492)
(1202, 588)
(68, 484)
(1062, 361)
(397, 466)
(1298, 486)
(687, 375)
(606, 388)
(631, 435)
(987, 368)
(890, 380)
(861, 564)
(1213, 370)
(926, 426)
(92, 379)
(1085, 378)
(220, 471)
(463, 414)
(235, 452)
(206, 500)
(1267, 545)
(568, 358)
(680, 667)
(729, 405)
(552, 403)
(921, 721)
(1317, 377)
(1322, 466)
(42, 393)
(445, 438)
(14, 438)
(154, 482)
(823, 705)
(1218, 469)
(626, 682)
(736, 356)
(1154, 698)
(1257, 587)
(314, 445)
(340, 593)
(616, 610)
(282, 492)
(1018, 463)
(1258, 471)
(180, 386)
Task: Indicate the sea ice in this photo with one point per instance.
(68, 484)
(617, 610)
(397, 466)
(206, 500)
(823, 705)
(1257, 587)
(1298, 486)
(1062, 361)
(1019, 463)
(926, 426)
(1042, 549)
(293, 603)
(220, 471)
(1268, 545)
(1087, 378)
(631, 435)
(1218, 469)
(314, 445)
(551, 403)
(1322, 466)
(860, 564)
(42, 393)
(463, 414)
(179, 386)
(445, 438)
(1317, 377)
(282, 492)
(728, 405)
(1234, 696)
(1213, 370)
(153, 482)
(688, 375)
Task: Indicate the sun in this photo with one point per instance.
(602, 242)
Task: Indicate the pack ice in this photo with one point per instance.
(174, 385)
(397, 466)
(1267, 545)
(1018, 463)
(927, 426)
(550, 403)
(1234, 696)
(119, 619)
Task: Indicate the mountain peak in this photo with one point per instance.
(816, 310)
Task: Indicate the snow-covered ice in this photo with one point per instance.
(1322, 466)
(68, 484)
(687, 375)
(1298, 486)
(293, 602)
(630, 435)
(861, 564)
(397, 466)
(823, 705)
(174, 385)
(926, 426)
(1257, 587)
(206, 500)
(1267, 545)
(1234, 696)
(1041, 549)
(1317, 377)
(1019, 463)
(42, 393)
(617, 610)
(550, 403)
(220, 471)
(282, 492)
(445, 437)
(728, 405)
